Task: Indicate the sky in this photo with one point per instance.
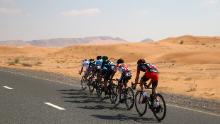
(133, 20)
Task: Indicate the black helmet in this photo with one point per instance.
(104, 58)
(119, 61)
(140, 61)
(91, 60)
(98, 57)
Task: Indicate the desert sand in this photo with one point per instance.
(188, 65)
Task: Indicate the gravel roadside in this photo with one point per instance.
(180, 100)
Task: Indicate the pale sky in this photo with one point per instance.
(132, 20)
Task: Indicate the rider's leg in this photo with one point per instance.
(99, 75)
(120, 81)
(154, 82)
(154, 86)
(143, 81)
(87, 73)
(105, 76)
(142, 84)
(105, 84)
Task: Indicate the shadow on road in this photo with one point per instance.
(84, 100)
(79, 96)
(100, 107)
(122, 117)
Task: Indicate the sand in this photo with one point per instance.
(188, 65)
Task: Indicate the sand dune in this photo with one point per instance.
(199, 57)
(188, 65)
(193, 40)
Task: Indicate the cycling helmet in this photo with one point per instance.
(85, 60)
(104, 58)
(91, 60)
(119, 61)
(140, 61)
(98, 57)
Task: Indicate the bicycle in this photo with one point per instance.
(85, 79)
(110, 93)
(94, 81)
(83, 83)
(124, 94)
(156, 104)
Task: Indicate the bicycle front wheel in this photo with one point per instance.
(140, 105)
(113, 94)
(129, 98)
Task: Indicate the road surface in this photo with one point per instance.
(30, 100)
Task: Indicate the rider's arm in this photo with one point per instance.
(80, 72)
(137, 76)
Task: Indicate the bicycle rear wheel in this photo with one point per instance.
(160, 110)
(141, 107)
(99, 91)
(83, 83)
(129, 98)
(91, 85)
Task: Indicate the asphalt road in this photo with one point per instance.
(28, 100)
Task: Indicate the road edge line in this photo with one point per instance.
(195, 110)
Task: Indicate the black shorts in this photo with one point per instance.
(144, 78)
(125, 78)
(108, 74)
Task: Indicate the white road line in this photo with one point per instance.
(55, 106)
(7, 87)
(190, 109)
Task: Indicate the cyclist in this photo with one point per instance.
(85, 63)
(92, 66)
(124, 70)
(98, 64)
(89, 64)
(108, 70)
(151, 73)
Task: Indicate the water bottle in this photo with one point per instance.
(145, 94)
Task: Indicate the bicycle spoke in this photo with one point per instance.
(159, 107)
(139, 105)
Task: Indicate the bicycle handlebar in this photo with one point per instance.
(144, 85)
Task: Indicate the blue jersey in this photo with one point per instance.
(98, 62)
(108, 65)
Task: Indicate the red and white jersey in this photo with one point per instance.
(122, 68)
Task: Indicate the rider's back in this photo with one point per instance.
(98, 62)
(85, 63)
(147, 67)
